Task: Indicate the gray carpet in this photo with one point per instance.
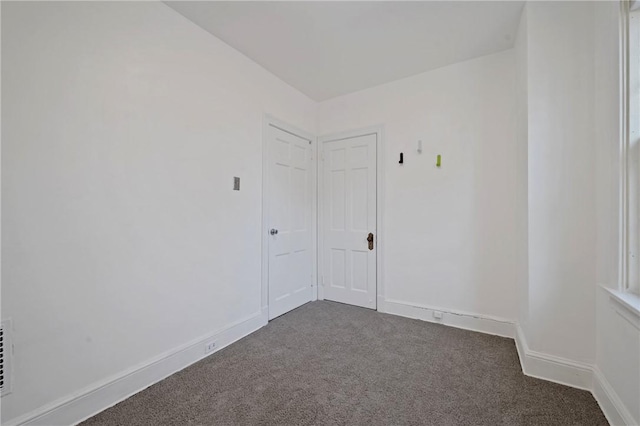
(333, 364)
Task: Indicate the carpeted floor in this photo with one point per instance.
(333, 364)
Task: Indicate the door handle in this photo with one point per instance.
(370, 240)
(273, 231)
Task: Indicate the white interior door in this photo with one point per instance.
(349, 217)
(290, 219)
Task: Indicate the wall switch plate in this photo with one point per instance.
(209, 347)
(236, 183)
(437, 315)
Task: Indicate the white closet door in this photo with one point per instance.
(289, 222)
(349, 220)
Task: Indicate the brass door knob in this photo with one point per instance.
(370, 240)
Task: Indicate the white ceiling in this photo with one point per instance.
(327, 49)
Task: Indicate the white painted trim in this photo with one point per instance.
(320, 204)
(575, 374)
(626, 304)
(380, 216)
(269, 120)
(609, 401)
(99, 396)
(552, 368)
(622, 147)
(380, 196)
(520, 345)
(474, 322)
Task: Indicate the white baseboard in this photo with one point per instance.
(609, 401)
(574, 374)
(534, 364)
(552, 368)
(100, 396)
(467, 321)
(88, 402)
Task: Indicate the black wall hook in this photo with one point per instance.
(401, 159)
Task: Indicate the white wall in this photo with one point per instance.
(567, 69)
(617, 340)
(127, 124)
(522, 168)
(449, 233)
(561, 180)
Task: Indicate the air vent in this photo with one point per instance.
(5, 357)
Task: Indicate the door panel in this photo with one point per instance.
(349, 215)
(290, 214)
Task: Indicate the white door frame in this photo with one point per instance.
(269, 120)
(379, 132)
